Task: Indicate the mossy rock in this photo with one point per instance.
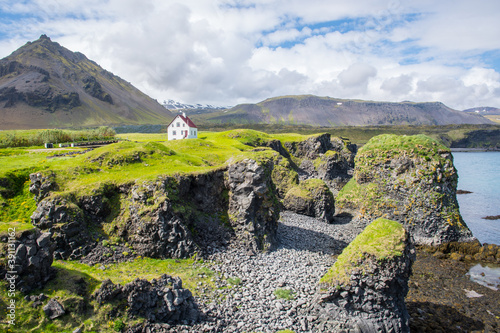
(409, 179)
(381, 240)
(311, 197)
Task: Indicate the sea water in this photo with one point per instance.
(479, 173)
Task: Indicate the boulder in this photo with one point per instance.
(162, 300)
(53, 309)
(364, 290)
(409, 179)
(312, 198)
(253, 206)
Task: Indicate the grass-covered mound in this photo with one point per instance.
(410, 179)
(381, 240)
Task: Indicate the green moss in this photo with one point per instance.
(308, 189)
(382, 239)
(299, 192)
(16, 202)
(286, 294)
(420, 144)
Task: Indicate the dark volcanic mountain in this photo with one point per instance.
(44, 85)
(327, 111)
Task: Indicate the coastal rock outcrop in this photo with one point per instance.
(162, 300)
(409, 179)
(253, 205)
(67, 224)
(158, 233)
(312, 198)
(29, 266)
(364, 290)
(328, 158)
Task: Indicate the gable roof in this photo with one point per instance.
(186, 119)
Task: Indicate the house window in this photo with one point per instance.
(174, 133)
(178, 124)
(183, 125)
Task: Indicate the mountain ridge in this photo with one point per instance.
(328, 111)
(45, 85)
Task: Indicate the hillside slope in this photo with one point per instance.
(44, 85)
(327, 111)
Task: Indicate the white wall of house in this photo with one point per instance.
(178, 130)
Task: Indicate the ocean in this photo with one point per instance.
(479, 173)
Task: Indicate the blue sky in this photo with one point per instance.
(225, 52)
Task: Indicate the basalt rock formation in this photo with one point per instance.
(364, 290)
(180, 215)
(29, 262)
(253, 206)
(312, 198)
(324, 157)
(162, 300)
(409, 179)
(174, 217)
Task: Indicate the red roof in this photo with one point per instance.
(186, 119)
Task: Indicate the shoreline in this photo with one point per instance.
(471, 150)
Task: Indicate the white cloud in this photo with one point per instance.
(230, 51)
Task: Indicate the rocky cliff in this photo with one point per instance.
(179, 215)
(364, 290)
(409, 179)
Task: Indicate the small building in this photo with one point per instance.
(182, 128)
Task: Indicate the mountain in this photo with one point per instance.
(489, 112)
(327, 111)
(44, 85)
(191, 109)
(484, 111)
(174, 105)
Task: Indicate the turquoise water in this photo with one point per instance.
(479, 173)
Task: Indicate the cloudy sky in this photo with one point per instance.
(224, 52)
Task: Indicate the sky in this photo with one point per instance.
(226, 52)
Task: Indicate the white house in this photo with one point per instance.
(182, 128)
